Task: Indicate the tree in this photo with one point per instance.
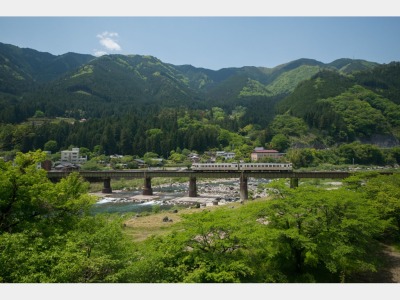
(361, 153)
(28, 198)
(384, 194)
(177, 157)
(38, 114)
(280, 142)
(315, 232)
(51, 146)
(23, 192)
(47, 233)
(108, 141)
(288, 125)
(301, 157)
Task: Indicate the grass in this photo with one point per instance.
(142, 227)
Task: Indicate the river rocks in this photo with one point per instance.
(210, 193)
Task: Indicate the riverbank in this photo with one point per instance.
(217, 192)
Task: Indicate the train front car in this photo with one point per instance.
(209, 167)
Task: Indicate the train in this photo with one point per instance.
(263, 167)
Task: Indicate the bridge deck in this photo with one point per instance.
(207, 174)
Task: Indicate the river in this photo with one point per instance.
(169, 195)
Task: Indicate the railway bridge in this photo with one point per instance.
(147, 175)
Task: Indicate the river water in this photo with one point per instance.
(168, 195)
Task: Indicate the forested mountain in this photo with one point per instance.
(21, 68)
(133, 104)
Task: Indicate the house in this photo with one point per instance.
(66, 166)
(260, 153)
(226, 155)
(141, 163)
(193, 157)
(72, 156)
(157, 161)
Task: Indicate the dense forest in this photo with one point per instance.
(133, 105)
(308, 234)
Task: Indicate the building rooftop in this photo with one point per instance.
(264, 151)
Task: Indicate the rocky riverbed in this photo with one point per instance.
(218, 191)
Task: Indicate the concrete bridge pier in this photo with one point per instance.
(192, 187)
(107, 186)
(244, 192)
(147, 190)
(294, 182)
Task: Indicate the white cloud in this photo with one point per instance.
(99, 53)
(108, 41)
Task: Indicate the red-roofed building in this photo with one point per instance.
(260, 153)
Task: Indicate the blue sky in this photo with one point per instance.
(208, 41)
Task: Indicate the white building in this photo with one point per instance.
(72, 156)
(226, 155)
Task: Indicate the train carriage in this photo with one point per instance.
(263, 167)
(215, 167)
(266, 167)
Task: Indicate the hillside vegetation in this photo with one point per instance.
(133, 104)
(308, 234)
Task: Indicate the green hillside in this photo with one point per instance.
(348, 66)
(22, 68)
(133, 104)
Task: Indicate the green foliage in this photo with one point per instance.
(156, 209)
(362, 112)
(328, 231)
(254, 88)
(383, 79)
(288, 125)
(177, 157)
(38, 114)
(301, 157)
(91, 165)
(288, 81)
(323, 85)
(23, 192)
(279, 142)
(46, 233)
(306, 234)
(95, 250)
(361, 154)
(394, 155)
(149, 106)
(51, 146)
(384, 193)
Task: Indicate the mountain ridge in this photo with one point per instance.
(198, 108)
